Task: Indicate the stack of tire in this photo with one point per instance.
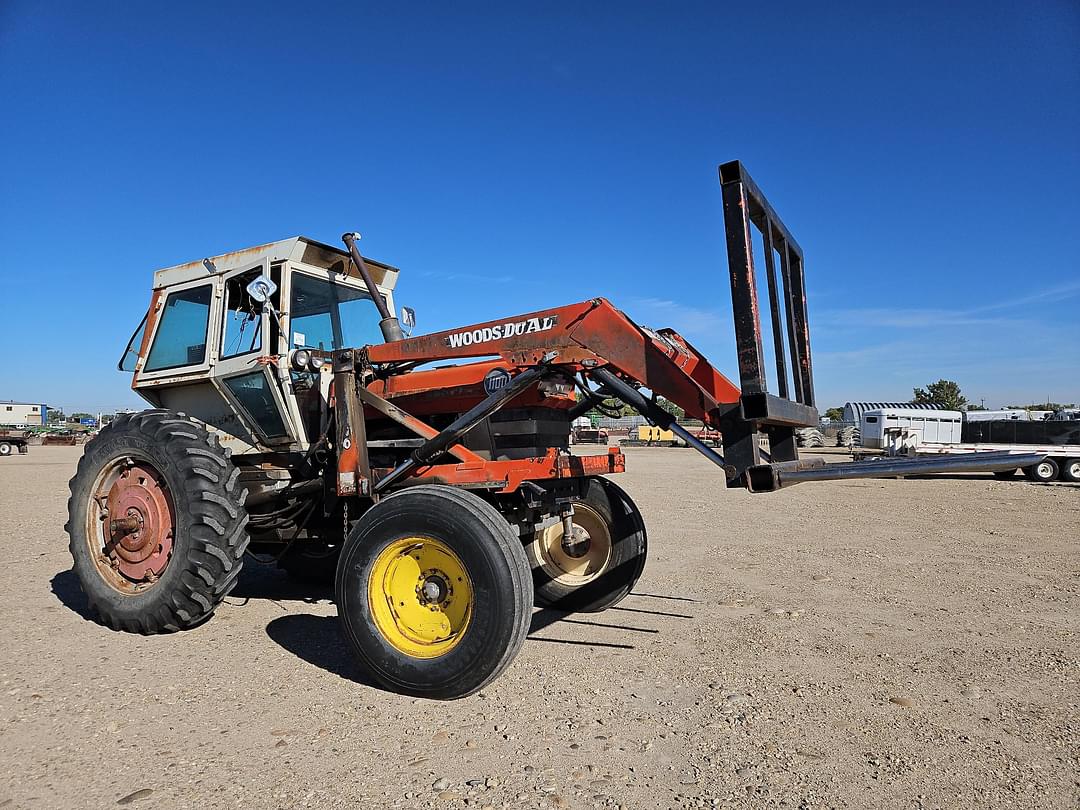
(848, 436)
(809, 437)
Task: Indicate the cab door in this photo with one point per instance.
(242, 373)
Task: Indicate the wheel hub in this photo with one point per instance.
(421, 596)
(139, 523)
(584, 558)
(433, 588)
(578, 547)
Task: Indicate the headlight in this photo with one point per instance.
(316, 363)
(300, 359)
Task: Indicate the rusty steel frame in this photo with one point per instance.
(777, 416)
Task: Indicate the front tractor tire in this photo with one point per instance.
(604, 563)
(434, 593)
(157, 525)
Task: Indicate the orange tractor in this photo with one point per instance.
(292, 417)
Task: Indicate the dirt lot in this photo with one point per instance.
(856, 644)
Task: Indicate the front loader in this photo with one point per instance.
(294, 421)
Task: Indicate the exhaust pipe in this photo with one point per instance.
(391, 329)
(771, 477)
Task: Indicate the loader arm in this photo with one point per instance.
(593, 340)
(585, 336)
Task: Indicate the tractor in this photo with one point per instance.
(294, 419)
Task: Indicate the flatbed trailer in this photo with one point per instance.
(12, 441)
(1061, 462)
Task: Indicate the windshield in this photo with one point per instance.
(329, 316)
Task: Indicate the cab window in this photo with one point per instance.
(330, 316)
(181, 336)
(131, 353)
(252, 391)
(243, 329)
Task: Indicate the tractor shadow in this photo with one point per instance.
(610, 619)
(266, 581)
(318, 640)
(254, 582)
(66, 588)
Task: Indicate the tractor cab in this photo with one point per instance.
(209, 343)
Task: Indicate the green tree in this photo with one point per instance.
(944, 393)
(671, 407)
(613, 407)
(834, 414)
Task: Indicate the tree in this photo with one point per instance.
(613, 406)
(834, 414)
(973, 407)
(944, 393)
(671, 407)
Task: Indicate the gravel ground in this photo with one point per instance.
(850, 644)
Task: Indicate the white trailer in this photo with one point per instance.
(928, 425)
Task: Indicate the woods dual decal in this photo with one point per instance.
(501, 330)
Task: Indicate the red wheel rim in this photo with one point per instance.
(133, 521)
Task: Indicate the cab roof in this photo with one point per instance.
(297, 249)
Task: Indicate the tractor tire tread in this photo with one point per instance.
(203, 485)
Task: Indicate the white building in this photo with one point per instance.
(22, 414)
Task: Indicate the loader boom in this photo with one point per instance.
(609, 355)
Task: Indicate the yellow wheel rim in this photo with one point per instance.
(421, 596)
(590, 560)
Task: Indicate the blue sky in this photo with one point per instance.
(925, 155)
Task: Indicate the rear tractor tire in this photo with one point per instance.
(604, 563)
(157, 525)
(433, 592)
(1043, 472)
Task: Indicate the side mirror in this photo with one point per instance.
(261, 289)
(408, 317)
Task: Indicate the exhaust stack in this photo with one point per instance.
(391, 329)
